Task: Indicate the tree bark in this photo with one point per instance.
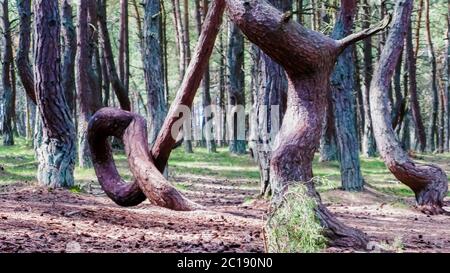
(57, 152)
(236, 85)
(413, 98)
(8, 98)
(69, 36)
(156, 103)
(368, 143)
(429, 182)
(101, 126)
(22, 59)
(117, 84)
(344, 103)
(269, 105)
(308, 58)
(432, 139)
(124, 46)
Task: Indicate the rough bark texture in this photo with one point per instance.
(148, 179)
(152, 52)
(8, 98)
(236, 83)
(22, 59)
(344, 103)
(328, 145)
(57, 151)
(68, 33)
(429, 182)
(308, 58)
(117, 84)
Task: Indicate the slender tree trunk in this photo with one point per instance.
(117, 84)
(368, 143)
(344, 103)
(69, 36)
(8, 98)
(124, 52)
(448, 77)
(154, 79)
(22, 58)
(57, 152)
(434, 89)
(328, 146)
(236, 92)
(413, 98)
(429, 182)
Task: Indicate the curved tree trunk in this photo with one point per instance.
(7, 84)
(57, 151)
(22, 59)
(130, 194)
(344, 103)
(308, 58)
(131, 128)
(429, 182)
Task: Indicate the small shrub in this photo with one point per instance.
(293, 226)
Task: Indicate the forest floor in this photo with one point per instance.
(83, 219)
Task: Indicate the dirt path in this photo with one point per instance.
(36, 219)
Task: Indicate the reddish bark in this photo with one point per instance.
(308, 58)
(429, 182)
(108, 122)
(131, 128)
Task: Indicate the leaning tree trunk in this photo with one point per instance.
(57, 152)
(146, 167)
(344, 103)
(236, 93)
(8, 90)
(308, 58)
(117, 84)
(429, 182)
(22, 58)
(68, 33)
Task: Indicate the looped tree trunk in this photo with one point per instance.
(149, 182)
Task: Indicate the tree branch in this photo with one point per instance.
(356, 37)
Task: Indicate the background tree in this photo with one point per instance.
(57, 152)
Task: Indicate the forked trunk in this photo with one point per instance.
(308, 58)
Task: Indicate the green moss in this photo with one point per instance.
(293, 227)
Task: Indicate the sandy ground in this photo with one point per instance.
(34, 219)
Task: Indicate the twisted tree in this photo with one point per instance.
(308, 58)
(145, 166)
(429, 182)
